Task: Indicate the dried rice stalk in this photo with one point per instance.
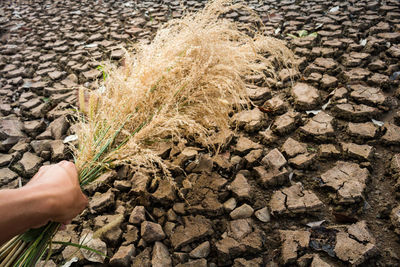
(183, 84)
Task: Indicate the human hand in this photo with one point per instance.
(59, 187)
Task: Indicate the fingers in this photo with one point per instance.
(70, 168)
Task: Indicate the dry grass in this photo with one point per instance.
(183, 84)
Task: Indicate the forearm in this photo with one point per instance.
(20, 210)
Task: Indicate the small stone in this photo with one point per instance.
(123, 257)
(319, 126)
(123, 186)
(143, 259)
(263, 214)
(349, 250)
(138, 215)
(203, 164)
(306, 97)
(131, 235)
(103, 183)
(117, 54)
(55, 75)
(268, 137)
(328, 150)
(139, 183)
(240, 228)
(362, 130)
(165, 192)
(91, 74)
(293, 241)
(328, 81)
(151, 232)
(286, 74)
(188, 153)
(10, 131)
(242, 212)
(326, 63)
(160, 257)
(5, 109)
(240, 187)
(272, 177)
(274, 159)
(348, 179)
(5, 159)
(258, 93)
(292, 147)
(253, 156)
(367, 95)
(356, 113)
(314, 77)
(201, 251)
(57, 149)
(363, 152)
(285, 123)
(360, 231)
(31, 103)
(59, 127)
(179, 208)
(376, 65)
(95, 37)
(228, 248)
(276, 104)
(356, 74)
(230, 204)
(339, 93)
(390, 36)
(101, 202)
(34, 127)
(93, 243)
(169, 228)
(250, 120)
(392, 135)
(302, 161)
(244, 145)
(28, 165)
(7, 176)
(295, 200)
(194, 228)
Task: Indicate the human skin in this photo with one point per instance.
(53, 194)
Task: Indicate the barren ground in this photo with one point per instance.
(262, 201)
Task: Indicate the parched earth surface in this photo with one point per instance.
(311, 179)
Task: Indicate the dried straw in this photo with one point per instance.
(183, 85)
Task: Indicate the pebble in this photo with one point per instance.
(230, 204)
(138, 215)
(201, 251)
(242, 212)
(263, 214)
(240, 187)
(123, 257)
(160, 256)
(151, 232)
